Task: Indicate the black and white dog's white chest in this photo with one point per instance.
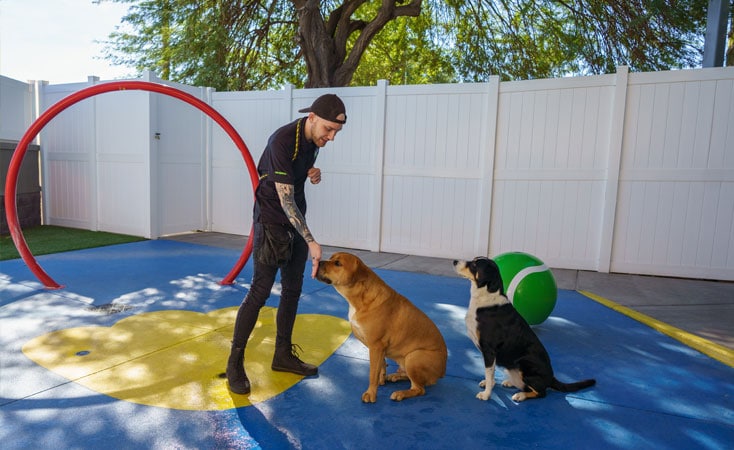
(480, 298)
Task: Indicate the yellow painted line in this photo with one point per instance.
(712, 349)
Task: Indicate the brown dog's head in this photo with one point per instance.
(342, 269)
(483, 272)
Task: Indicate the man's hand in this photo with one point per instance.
(314, 174)
(315, 249)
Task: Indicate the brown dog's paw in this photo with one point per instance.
(369, 396)
(408, 393)
(397, 376)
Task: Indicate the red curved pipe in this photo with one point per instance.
(20, 150)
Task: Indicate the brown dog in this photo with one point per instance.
(389, 325)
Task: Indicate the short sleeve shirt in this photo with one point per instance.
(283, 161)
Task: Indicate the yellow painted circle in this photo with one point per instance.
(176, 359)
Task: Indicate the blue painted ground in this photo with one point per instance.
(652, 391)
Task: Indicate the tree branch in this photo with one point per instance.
(387, 12)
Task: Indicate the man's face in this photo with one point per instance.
(322, 130)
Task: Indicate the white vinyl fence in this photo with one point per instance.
(629, 173)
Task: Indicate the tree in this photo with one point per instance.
(331, 59)
(228, 45)
(251, 44)
(408, 51)
(261, 44)
(521, 39)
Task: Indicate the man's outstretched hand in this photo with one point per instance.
(315, 249)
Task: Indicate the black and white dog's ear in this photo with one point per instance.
(488, 274)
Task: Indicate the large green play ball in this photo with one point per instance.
(529, 285)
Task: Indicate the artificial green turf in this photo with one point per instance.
(46, 239)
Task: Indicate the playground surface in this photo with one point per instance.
(130, 354)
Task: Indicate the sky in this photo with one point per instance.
(55, 40)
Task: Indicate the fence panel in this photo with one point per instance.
(434, 166)
(342, 209)
(675, 213)
(254, 115)
(178, 159)
(67, 151)
(550, 169)
(17, 110)
(123, 150)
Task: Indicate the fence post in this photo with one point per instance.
(288, 93)
(152, 162)
(207, 94)
(93, 173)
(38, 88)
(375, 239)
(488, 137)
(614, 152)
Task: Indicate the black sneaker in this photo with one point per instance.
(286, 360)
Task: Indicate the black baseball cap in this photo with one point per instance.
(329, 107)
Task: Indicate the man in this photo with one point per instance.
(282, 239)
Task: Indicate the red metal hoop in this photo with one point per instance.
(20, 150)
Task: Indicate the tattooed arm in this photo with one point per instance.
(288, 202)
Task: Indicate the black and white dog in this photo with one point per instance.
(505, 338)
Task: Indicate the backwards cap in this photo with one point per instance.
(329, 107)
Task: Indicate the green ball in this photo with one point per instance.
(529, 285)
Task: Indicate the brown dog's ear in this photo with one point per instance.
(358, 269)
(353, 268)
(488, 274)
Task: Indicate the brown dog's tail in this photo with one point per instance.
(572, 387)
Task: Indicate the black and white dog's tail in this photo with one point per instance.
(572, 387)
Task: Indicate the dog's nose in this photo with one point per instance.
(456, 262)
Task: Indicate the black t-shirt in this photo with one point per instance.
(283, 162)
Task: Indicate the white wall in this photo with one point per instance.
(17, 108)
(623, 172)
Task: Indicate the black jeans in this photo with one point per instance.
(263, 278)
